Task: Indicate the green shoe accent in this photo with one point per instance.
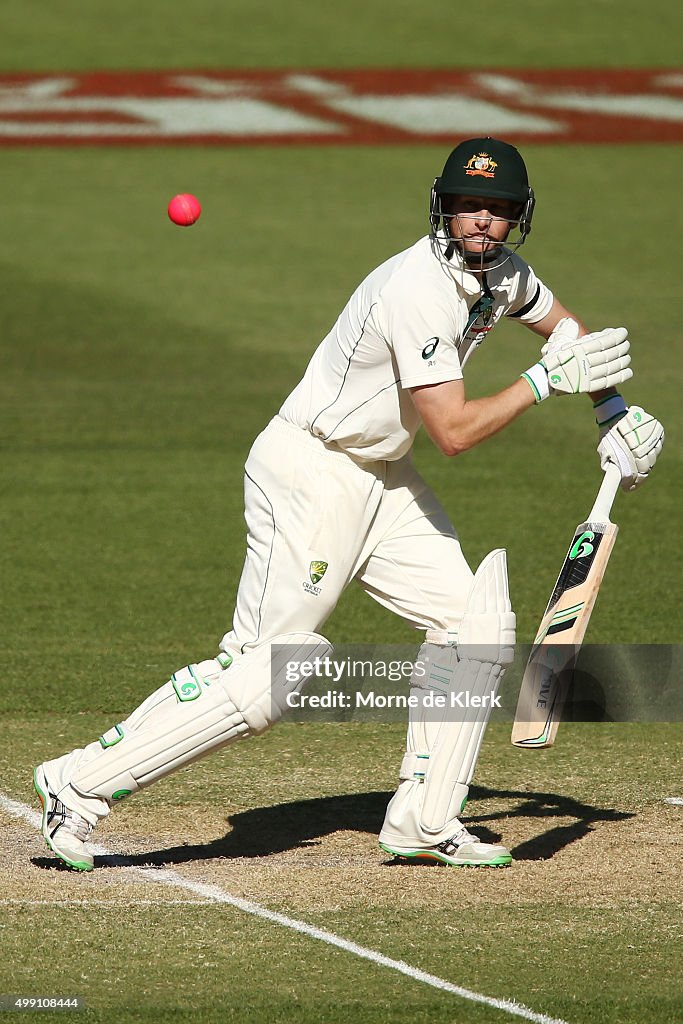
(75, 865)
(502, 861)
(120, 794)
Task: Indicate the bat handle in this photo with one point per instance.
(606, 495)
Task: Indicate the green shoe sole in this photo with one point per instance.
(502, 861)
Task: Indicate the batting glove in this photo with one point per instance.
(566, 333)
(592, 363)
(634, 444)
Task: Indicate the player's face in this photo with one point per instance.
(480, 224)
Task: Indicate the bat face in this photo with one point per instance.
(567, 600)
(563, 627)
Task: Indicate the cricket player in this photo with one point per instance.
(331, 496)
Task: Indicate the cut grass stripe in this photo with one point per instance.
(166, 876)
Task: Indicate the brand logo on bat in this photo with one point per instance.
(430, 348)
(317, 570)
(582, 546)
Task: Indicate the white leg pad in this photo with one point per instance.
(203, 707)
(443, 743)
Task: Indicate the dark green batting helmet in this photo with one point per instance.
(485, 167)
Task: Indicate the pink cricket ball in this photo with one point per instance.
(184, 209)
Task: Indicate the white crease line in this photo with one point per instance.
(166, 876)
(677, 801)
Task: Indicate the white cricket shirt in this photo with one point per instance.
(408, 323)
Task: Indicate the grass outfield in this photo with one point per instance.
(138, 362)
(387, 33)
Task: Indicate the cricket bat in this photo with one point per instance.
(564, 623)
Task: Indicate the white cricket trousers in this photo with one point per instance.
(307, 501)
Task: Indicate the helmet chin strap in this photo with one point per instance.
(475, 263)
(481, 262)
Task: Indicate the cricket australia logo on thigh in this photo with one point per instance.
(316, 571)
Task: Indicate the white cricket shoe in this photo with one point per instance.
(64, 830)
(462, 850)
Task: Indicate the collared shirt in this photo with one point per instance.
(414, 320)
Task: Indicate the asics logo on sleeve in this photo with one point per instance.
(430, 348)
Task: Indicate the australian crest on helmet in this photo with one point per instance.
(481, 164)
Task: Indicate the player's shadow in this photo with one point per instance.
(545, 807)
(267, 830)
